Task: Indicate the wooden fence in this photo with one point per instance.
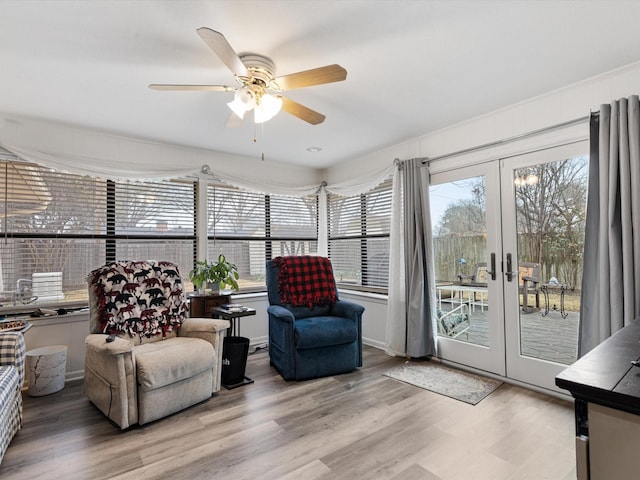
(456, 255)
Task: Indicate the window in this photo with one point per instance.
(359, 238)
(250, 228)
(154, 221)
(56, 227)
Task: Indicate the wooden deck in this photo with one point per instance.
(549, 337)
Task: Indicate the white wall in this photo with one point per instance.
(374, 319)
(557, 107)
(256, 328)
(111, 155)
(69, 330)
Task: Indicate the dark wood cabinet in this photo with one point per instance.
(606, 388)
(201, 305)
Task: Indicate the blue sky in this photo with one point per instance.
(444, 194)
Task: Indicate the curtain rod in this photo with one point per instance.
(509, 139)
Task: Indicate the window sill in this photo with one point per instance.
(71, 317)
(359, 293)
(28, 309)
(249, 295)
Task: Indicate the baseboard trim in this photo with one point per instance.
(374, 343)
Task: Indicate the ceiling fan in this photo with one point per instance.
(260, 90)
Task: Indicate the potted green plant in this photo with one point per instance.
(219, 274)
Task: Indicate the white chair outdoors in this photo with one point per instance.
(454, 322)
(42, 287)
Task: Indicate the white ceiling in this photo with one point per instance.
(413, 66)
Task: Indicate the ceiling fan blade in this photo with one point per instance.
(316, 76)
(234, 121)
(208, 88)
(226, 53)
(302, 112)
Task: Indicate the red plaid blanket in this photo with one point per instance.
(306, 281)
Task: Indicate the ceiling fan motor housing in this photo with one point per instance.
(261, 69)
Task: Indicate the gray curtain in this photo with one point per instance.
(611, 277)
(420, 294)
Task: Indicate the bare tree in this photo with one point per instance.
(64, 215)
(550, 217)
(465, 217)
(462, 218)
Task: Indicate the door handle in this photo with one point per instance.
(509, 272)
(492, 272)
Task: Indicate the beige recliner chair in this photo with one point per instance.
(159, 361)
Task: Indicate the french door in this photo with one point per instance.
(466, 228)
(508, 237)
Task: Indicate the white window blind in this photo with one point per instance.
(249, 228)
(359, 237)
(57, 227)
(154, 221)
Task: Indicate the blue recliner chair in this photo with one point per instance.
(312, 341)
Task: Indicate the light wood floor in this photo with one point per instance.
(361, 425)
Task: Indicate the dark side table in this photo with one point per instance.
(200, 304)
(235, 349)
(232, 314)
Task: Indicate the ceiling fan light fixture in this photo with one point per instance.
(268, 108)
(243, 100)
(246, 96)
(237, 108)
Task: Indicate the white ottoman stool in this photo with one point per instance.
(45, 370)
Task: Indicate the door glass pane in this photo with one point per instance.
(458, 215)
(550, 215)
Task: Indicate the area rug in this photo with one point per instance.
(437, 378)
